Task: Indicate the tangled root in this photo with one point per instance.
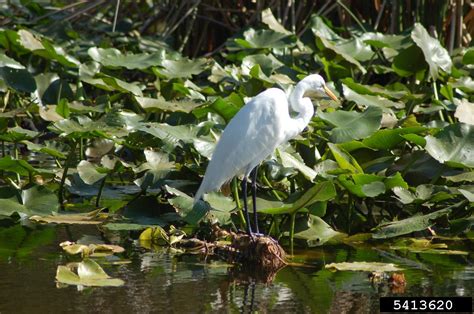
(263, 251)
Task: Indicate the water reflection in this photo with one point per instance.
(160, 280)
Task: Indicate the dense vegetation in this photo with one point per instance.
(114, 116)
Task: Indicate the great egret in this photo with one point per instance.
(263, 124)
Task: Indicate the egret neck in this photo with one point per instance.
(303, 108)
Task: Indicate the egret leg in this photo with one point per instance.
(254, 198)
(246, 209)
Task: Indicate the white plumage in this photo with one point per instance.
(258, 129)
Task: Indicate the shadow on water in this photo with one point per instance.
(159, 279)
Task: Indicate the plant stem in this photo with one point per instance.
(101, 188)
(235, 193)
(15, 154)
(65, 170)
(115, 16)
(267, 182)
(292, 231)
(435, 92)
(81, 148)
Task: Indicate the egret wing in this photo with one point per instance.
(253, 134)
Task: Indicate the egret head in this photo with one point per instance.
(317, 87)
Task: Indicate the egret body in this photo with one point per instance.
(265, 122)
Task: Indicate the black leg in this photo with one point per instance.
(246, 209)
(254, 198)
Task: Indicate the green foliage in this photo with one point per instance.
(123, 108)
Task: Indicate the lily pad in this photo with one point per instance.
(6, 61)
(265, 38)
(19, 79)
(153, 104)
(371, 100)
(425, 246)
(290, 161)
(92, 250)
(408, 225)
(32, 201)
(320, 192)
(90, 73)
(89, 172)
(91, 218)
(465, 112)
(344, 159)
(453, 145)
(314, 231)
(156, 167)
(182, 68)
(89, 273)
(350, 125)
(363, 266)
(436, 55)
(112, 57)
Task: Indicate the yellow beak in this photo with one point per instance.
(330, 93)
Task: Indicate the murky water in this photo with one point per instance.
(161, 281)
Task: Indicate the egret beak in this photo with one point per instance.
(330, 94)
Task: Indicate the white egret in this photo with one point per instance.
(265, 122)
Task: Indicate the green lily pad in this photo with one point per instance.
(19, 79)
(265, 38)
(453, 145)
(468, 57)
(17, 134)
(320, 192)
(160, 104)
(409, 61)
(350, 125)
(93, 250)
(375, 90)
(112, 57)
(269, 19)
(408, 225)
(89, 218)
(19, 166)
(436, 55)
(36, 200)
(380, 40)
(390, 138)
(89, 273)
(182, 68)
(184, 204)
(156, 167)
(351, 50)
(89, 172)
(90, 73)
(45, 149)
(6, 61)
(465, 176)
(370, 100)
(363, 266)
(425, 246)
(344, 159)
(313, 230)
(123, 226)
(268, 63)
(290, 161)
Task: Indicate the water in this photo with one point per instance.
(156, 280)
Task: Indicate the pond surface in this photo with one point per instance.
(157, 280)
